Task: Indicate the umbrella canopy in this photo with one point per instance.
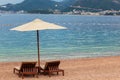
(37, 25)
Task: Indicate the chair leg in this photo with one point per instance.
(49, 74)
(57, 73)
(63, 72)
(14, 70)
(33, 75)
(22, 76)
(19, 74)
(37, 75)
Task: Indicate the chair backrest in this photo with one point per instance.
(52, 65)
(27, 66)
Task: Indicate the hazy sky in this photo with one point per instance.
(14, 1)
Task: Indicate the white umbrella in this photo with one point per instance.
(37, 25)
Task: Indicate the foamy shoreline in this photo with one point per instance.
(101, 68)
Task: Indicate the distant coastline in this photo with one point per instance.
(74, 12)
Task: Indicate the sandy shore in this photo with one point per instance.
(105, 68)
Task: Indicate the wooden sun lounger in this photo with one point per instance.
(26, 68)
(51, 67)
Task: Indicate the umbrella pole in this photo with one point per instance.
(38, 48)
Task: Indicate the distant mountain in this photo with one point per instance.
(64, 4)
(4, 7)
(28, 5)
(99, 4)
(68, 3)
(47, 6)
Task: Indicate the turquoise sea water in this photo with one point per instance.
(86, 36)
